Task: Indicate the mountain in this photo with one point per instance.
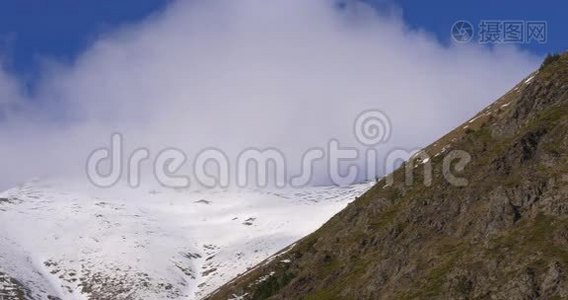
(60, 240)
(503, 235)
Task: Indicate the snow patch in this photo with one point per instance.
(76, 243)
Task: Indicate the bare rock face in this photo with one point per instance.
(504, 235)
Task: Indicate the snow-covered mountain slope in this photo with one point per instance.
(61, 241)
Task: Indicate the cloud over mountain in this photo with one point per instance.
(288, 74)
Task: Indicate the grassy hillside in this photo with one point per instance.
(502, 236)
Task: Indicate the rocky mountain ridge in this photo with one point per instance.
(504, 235)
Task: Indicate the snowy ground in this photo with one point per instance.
(74, 243)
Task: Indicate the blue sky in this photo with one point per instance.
(439, 18)
(62, 29)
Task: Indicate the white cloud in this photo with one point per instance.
(233, 74)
